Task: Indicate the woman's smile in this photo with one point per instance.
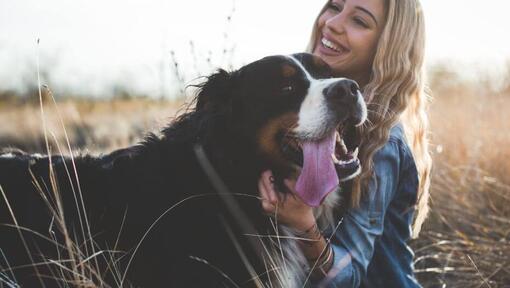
(348, 33)
(332, 48)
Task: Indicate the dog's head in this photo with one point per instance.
(300, 120)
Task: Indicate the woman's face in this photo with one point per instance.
(347, 36)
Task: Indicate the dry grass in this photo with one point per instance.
(93, 125)
(465, 241)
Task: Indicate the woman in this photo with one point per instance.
(380, 44)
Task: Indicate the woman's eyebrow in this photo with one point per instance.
(367, 12)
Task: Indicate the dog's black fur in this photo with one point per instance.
(125, 192)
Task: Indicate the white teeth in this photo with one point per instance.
(330, 45)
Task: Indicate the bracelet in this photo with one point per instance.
(310, 235)
(325, 264)
(328, 258)
(324, 258)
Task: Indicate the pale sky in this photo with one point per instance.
(89, 46)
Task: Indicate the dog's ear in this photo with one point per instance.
(216, 91)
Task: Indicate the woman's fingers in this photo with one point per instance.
(268, 207)
(268, 182)
(291, 184)
(267, 176)
(266, 192)
(262, 187)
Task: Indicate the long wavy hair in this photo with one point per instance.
(396, 92)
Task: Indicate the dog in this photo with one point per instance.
(181, 209)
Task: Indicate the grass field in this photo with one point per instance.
(465, 241)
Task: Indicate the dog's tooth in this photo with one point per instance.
(335, 160)
(338, 138)
(355, 153)
(343, 146)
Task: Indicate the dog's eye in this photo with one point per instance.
(287, 89)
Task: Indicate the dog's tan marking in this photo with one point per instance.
(288, 70)
(267, 137)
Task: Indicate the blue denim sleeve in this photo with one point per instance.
(353, 242)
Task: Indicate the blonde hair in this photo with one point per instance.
(396, 92)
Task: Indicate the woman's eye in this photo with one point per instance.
(360, 22)
(334, 7)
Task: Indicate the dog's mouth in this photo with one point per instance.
(324, 162)
(345, 158)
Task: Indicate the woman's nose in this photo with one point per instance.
(336, 23)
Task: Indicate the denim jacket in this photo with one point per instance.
(370, 245)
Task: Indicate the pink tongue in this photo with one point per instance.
(318, 176)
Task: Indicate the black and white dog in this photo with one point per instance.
(181, 209)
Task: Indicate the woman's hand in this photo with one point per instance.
(289, 209)
(292, 211)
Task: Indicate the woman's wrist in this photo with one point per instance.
(316, 249)
(304, 223)
(320, 267)
(309, 235)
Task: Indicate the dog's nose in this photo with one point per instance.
(343, 91)
(344, 96)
